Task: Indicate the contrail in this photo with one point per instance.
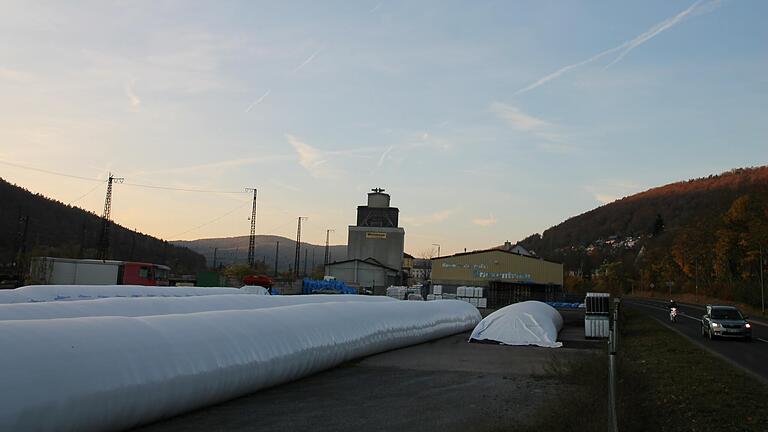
(306, 62)
(384, 155)
(258, 101)
(654, 31)
(625, 47)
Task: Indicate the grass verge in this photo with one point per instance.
(668, 383)
(582, 404)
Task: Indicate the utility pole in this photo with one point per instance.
(305, 261)
(215, 252)
(106, 222)
(277, 250)
(252, 238)
(298, 247)
(327, 248)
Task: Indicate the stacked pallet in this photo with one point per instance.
(472, 295)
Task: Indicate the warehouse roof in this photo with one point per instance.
(369, 261)
(495, 250)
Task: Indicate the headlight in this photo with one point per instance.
(714, 324)
(747, 325)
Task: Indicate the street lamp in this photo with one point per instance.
(438, 249)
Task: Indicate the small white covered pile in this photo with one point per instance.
(115, 363)
(525, 323)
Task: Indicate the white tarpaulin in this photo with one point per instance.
(45, 293)
(525, 323)
(254, 289)
(113, 373)
(148, 306)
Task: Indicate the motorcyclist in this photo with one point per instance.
(672, 305)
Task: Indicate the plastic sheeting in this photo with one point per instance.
(150, 306)
(254, 289)
(112, 373)
(45, 293)
(525, 323)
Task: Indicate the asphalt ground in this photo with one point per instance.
(751, 356)
(445, 384)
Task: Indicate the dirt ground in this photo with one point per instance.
(446, 384)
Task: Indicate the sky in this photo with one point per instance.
(486, 121)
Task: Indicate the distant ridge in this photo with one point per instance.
(235, 249)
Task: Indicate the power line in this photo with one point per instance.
(84, 195)
(50, 172)
(178, 189)
(182, 189)
(212, 220)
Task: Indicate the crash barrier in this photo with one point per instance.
(114, 373)
(309, 286)
(525, 323)
(47, 293)
(147, 306)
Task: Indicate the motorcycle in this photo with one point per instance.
(673, 315)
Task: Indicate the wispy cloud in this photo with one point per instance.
(608, 191)
(549, 139)
(132, 98)
(484, 222)
(626, 47)
(517, 118)
(310, 158)
(438, 216)
(258, 101)
(307, 61)
(375, 8)
(231, 163)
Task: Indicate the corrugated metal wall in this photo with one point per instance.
(480, 268)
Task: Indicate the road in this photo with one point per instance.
(752, 356)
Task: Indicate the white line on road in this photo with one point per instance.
(695, 306)
(667, 310)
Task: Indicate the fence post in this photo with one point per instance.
(613, 337)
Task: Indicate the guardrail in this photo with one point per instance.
(613, 345)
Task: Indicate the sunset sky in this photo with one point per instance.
(487, 120)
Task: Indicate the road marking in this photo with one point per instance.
(667, 310)
(645, 302)
(762, 340)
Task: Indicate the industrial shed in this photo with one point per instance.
(368, 273)
(507, 276)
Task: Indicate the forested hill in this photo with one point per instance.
(59, 230)
(704, 200)
(699, 236)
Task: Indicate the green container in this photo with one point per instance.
(210, 279)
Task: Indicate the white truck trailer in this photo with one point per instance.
(66, 271)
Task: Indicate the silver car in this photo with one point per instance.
(725, 321)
